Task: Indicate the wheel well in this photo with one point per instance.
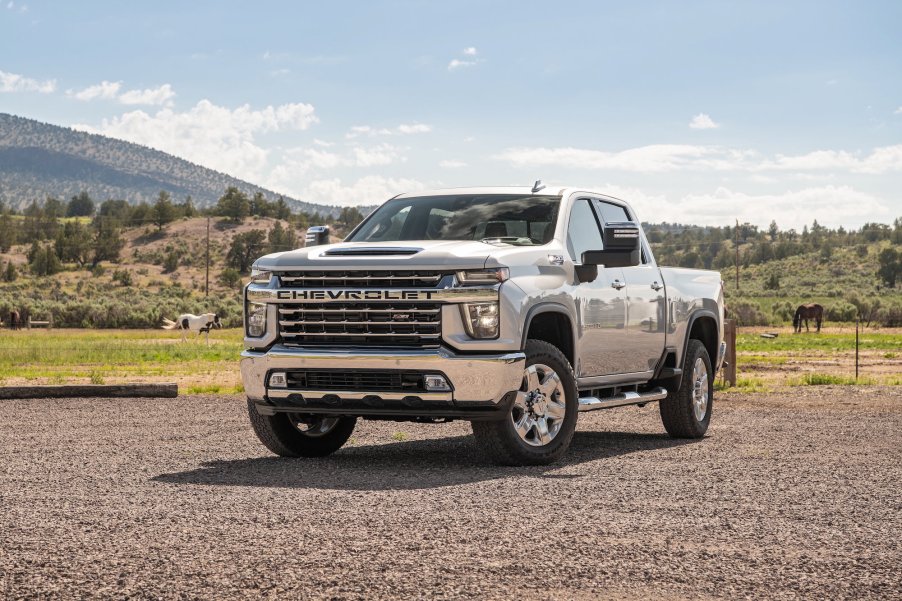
(554, 328)
(704, 329)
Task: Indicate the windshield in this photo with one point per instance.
(508, 218)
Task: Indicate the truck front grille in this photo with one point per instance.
(361, 324)
(361, 279)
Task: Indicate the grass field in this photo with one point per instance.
(64, 356)
(117, 356)
(811, 359)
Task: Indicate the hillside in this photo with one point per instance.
(139, 289)
(39, 160)
(161, 273)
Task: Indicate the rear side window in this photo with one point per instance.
(583, 232)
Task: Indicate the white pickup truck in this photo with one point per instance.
(512, 308)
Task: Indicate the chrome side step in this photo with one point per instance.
(624, 398)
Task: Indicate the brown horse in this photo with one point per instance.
(805, 312)
(14, 320)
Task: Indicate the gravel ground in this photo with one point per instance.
(792, 495)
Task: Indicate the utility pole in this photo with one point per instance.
(736, 244)
(207, 279)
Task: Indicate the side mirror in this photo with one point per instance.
(621, 246)
(317, 235)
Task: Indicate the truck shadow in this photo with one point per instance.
(419, 464)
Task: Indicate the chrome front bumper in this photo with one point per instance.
(476, 380)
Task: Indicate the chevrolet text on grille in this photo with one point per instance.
(301, 295)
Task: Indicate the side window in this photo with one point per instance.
(610, 212)
(583, 232)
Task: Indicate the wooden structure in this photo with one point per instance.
(729, 368)
(37, 323)
(163, 390)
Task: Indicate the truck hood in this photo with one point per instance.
(407, 254)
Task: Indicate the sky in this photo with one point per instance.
(694, 112)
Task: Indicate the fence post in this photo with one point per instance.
(729, 335)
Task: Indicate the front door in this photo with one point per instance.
(646, 321)
(600, 305)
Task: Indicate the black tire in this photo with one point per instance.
(499, 438)
(279, 434)
(678, 410)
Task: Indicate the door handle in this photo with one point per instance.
(617, 284)
(656, 286)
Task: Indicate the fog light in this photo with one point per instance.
(436, 383)
(278, 379)
(256, 319)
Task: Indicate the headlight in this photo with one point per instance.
(482, 277)
(481, 319)
(256, 319)
(260, 276)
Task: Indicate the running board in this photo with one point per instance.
(624, 398)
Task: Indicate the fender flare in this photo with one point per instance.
(550, 307)
(693, 317)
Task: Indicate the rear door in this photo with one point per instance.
(646, 320)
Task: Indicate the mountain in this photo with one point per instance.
(39, 160)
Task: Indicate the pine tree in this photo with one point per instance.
(163, 211)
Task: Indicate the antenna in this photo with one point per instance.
(538, 186)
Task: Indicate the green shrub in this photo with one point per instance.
(123, 276)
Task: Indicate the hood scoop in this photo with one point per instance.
(373, 251)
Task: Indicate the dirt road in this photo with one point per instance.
(792, 495)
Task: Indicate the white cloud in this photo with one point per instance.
(293, 170)
(881, 160)
(456, 64)
(154, 96)
(368, 190)
(211, 135)
(655, 157)
(703, 121)
(672, 157)
(403, 129)
(110, 90)
(414, 128)
(469, 60)
(105, 90)
(830, 205)
(451, 164)
(12, 82)
(898, 111)
(383, 154)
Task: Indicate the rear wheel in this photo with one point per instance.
(293, 435)
(540, 425)
(686, 412)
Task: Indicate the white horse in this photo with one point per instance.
(200, 324)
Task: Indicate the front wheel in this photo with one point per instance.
(540, 425)
(291, 435)
(686, 412)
